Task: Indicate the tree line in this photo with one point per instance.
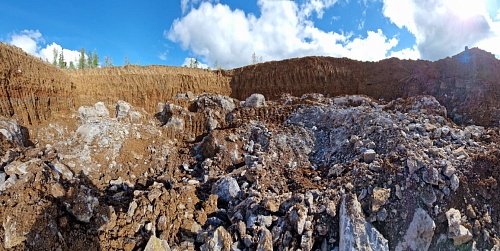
(87, 60)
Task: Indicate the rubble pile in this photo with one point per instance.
(208, 172)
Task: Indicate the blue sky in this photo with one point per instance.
(227, 32)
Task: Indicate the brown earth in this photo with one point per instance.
(466, 84)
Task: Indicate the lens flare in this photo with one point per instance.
(466, 9)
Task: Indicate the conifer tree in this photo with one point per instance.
(72, 65)
(81, 60)
(89, 63)
(54, 62)
(61, 62)
(126, 61)
(95, 60)
(108, 62)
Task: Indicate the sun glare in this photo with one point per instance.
(467, 8)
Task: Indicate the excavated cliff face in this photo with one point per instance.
(145, 86)
(466, 84)
(30, 89)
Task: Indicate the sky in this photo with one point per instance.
(228, 33)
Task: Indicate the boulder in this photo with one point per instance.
(227, 189)
(156, 244)
(355, 232)
(88, 114)
(456, 231)
(419, 234)
(255, 100)
(122, 109)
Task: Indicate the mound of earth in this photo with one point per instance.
(309, 173)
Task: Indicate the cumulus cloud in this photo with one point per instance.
(441, 27)
(217, 33)
(32, 42)
(190, 61)
(28, 40)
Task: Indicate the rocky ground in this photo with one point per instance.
(209, 172)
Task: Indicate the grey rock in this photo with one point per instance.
(449, 170)
(369, 156)
(419, 234)
(11, 130)
(428, 195)
(456, 231)
(82, 205)
(454, 182)
(355, 232)
(226, 188)
(265, 240)
(298, 216)
(431, 176)
(156, 244)
(122, 109)
(94, 114)
(221, 240)
(255, 100)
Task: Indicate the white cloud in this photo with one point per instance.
(28, 40)
(441, 27)
(407, 53)
(317, 6)
(162, 56)
(31, 41)
(190, 61)
(217, 33)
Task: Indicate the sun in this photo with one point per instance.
(465, 9)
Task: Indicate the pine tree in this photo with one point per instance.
(81, 60)
(72, 65)
(89, 60)
(196, 63)
(254, 58)
(61, 63)
(95, 60)
(54, 62)
(108, 62)
(126, 61)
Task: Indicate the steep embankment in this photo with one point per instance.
(31, 89)
(145, 86)
(466, 84)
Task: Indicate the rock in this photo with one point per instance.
(227, 189)
(369, 156)
(255, 101)
(82, 204)
(11, 130)
(16, 167)
(431, 176)
(454, 182)
(355, 232)
(428, 195)
(449, 170)
(63, 170)
(12, 237)
(221, 240)
(298, 216)
(456, 231)
(122, 109)
(380, 197)
(419, 234)
(93, 114)
(265, 240)
(156, 244)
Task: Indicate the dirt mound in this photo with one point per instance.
(312, 173)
